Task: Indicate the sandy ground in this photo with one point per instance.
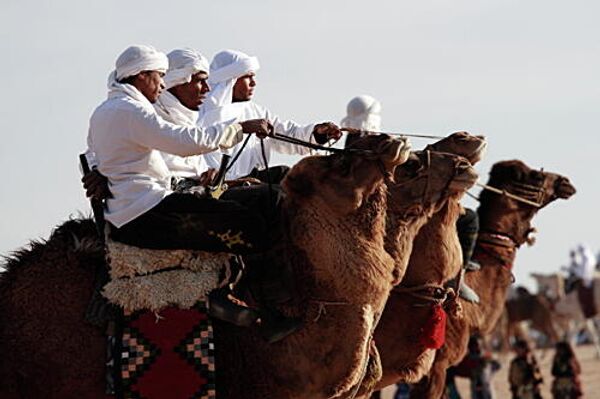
(590, 377)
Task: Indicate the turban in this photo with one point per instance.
(226, 67)
(183, 63)
(139, 58)
(363, 112)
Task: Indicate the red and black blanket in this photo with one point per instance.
(169, 354)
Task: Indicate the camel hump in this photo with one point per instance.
(151, 279)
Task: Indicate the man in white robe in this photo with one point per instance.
(127, 138)
(183, 220)
(232, 81)
(583, 264)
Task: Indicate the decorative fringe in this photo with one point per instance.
(433, 333)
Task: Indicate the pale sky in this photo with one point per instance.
(524, 73)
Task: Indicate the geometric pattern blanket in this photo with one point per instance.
(165, 355)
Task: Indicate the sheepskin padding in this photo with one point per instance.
(181, 288)
(151, 279)
(129, 261)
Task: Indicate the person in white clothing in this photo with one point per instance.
(233, 81)
(186, 87)
(127, 138)
(363, 113)
(583, 264)
(179, 219)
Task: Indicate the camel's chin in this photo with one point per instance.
(414, 372)
(479, 153)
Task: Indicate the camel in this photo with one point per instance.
(432, 266)
(424, 184)
(505, 224)
(335, 214)
(567, 311)
(536, 309)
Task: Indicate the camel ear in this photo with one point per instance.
(298, 184)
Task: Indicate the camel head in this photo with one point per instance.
(536, 185)
(336, 208)
(427, 180)
(344, 181)
(505, 214)
(462, 143)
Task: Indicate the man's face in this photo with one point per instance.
(193, 93)
(151, 84)
(244, 87)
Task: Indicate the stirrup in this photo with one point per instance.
(222, 307)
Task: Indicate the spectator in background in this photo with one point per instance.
(566, 371)
(524, 375)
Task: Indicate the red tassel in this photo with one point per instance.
(433, 333)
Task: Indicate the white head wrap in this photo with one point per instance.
(183, 63)
(225, 68)
(584, 264)
(363, 112)
(139, 58)
(133, 60)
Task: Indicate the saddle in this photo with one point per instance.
(150, 279)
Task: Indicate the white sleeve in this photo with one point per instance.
(90, 155)
(152, 131)
(291, 129)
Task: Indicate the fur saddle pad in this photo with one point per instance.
(166, 355)
(150, 279)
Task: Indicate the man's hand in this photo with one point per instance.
(261, 127)
(326, 131)
(96, 185)
(243, 181)
(207, 177)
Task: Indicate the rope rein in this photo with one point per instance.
(370, 132)
(509, 195)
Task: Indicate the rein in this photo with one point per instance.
(351, 130)
(508, 194)
(313, 146)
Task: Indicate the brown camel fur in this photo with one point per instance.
(534, 308)
(505, 226)
(335, 220)
(436, 259)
